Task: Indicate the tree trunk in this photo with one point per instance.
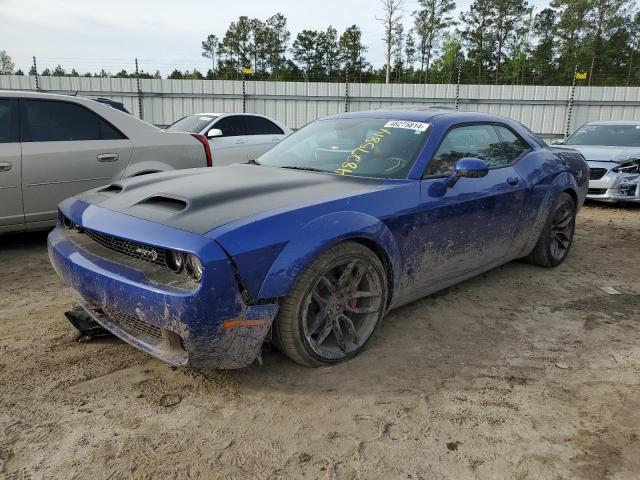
(388, 60)
(498, 60)
(596, 44)
(429, 47)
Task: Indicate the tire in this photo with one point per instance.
(325, 294)
(557, 235)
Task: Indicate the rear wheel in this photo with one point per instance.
(334, 307)
(557, 236)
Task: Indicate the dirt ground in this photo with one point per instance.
(463, 384)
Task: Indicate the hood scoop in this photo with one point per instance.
(162, 202)
(112, 189)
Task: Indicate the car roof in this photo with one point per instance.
(226, 113)
(420, 113)
(614, 122)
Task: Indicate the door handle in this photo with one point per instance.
(107, 157)
(512, 180)
(275, 139)
(240, 140)
(5, 166)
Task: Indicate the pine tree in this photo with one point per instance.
(431, 21)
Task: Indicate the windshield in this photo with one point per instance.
(364, 147)
(192, 123)
(606, 135)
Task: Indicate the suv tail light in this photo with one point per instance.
(207, 149)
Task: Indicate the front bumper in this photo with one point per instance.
(207, 325)
(615, 187)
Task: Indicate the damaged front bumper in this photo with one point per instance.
(613, 186)
(205, 325)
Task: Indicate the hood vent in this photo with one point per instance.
(164, 203)
(114, 189)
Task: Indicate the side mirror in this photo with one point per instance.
(214, 132)
(465, 168)
(558, 142)
(471, 168)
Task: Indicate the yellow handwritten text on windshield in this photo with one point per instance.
(362, 151)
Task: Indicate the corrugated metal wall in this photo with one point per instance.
(544, 109)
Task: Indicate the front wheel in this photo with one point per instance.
(557, 235)
(334, 307)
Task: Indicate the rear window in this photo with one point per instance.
(261, 126)
(192, 123)
(606, 135)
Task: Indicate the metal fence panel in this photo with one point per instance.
(544, 109)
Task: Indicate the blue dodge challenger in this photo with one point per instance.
(309, 246)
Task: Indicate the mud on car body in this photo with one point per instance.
(311, 245)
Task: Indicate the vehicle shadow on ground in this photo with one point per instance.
(633, 206)
(22, 240)
(415, 349)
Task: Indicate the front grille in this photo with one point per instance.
(597, 191)
(597, 173)
(126, 247)
(134, 325)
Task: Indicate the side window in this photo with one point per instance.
(511, 147)
(47, 121)
(230, 126)
(261, 126)
(468, 141)
(496, 145)
(8, 121)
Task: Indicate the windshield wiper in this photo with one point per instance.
(307, 169)
(253, 162)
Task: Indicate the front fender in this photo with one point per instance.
(320, 234)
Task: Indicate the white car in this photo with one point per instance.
(55, 146)
(234, 137)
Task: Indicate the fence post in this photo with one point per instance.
(570, 104)
(244, 95)
(458, 89)
(139, 91)
(35, 69)
(346, 91)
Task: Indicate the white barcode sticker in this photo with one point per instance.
(419, 126)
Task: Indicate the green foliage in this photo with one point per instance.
(492, 41)
(6, 63)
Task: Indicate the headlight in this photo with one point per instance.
(174, 261)
(194, 267)
(631, 167)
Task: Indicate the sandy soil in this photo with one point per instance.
(463, 384)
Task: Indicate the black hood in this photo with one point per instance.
(199, 200)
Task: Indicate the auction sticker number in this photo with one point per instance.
(417, 126)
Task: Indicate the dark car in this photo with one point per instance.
(345, 219)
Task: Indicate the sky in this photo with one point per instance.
(110, 34)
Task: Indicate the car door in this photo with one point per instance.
(262, 134)
(231, 147)
(473, 226)
(11, 212)
(67, 148)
